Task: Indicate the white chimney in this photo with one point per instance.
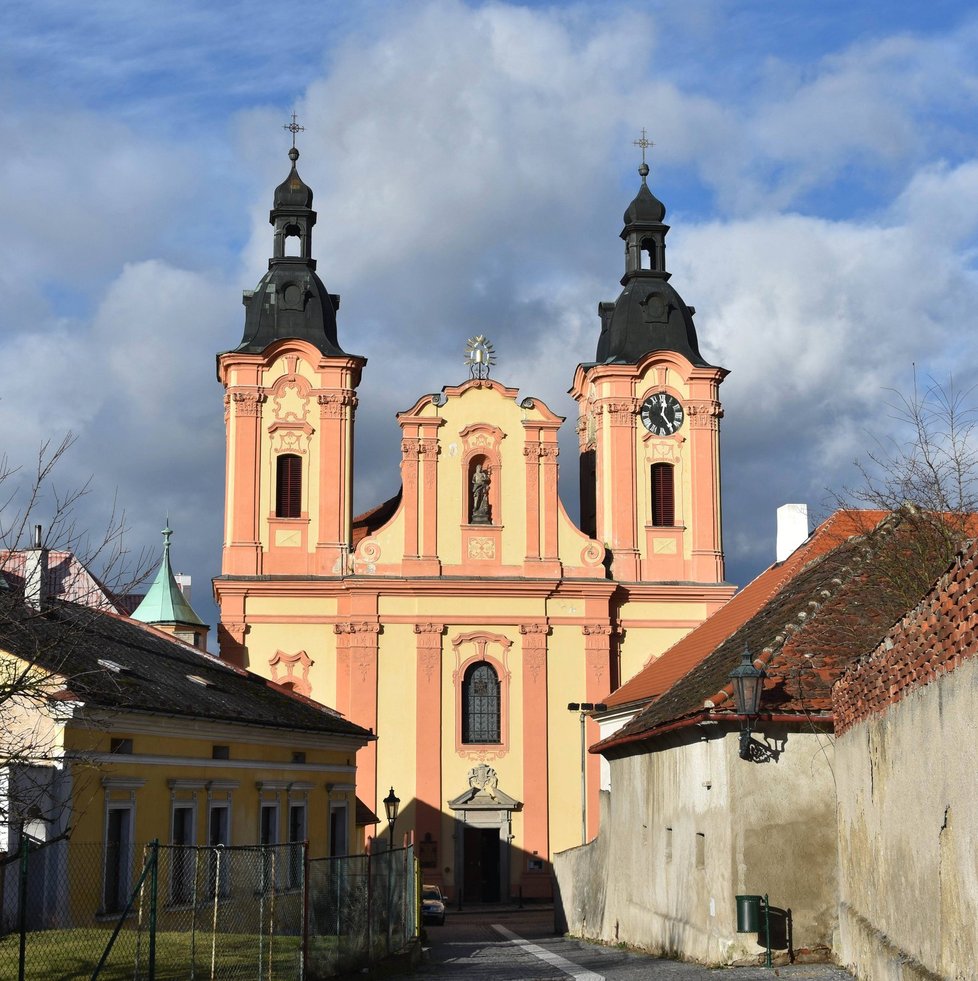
(183, 584)
(36, 573)
(792, 528)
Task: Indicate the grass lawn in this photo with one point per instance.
(70, 955)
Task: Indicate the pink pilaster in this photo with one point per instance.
(428, 735)
(361, 662)
(598, 668)
(536, 813)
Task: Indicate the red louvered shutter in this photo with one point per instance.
(663, 496)
(288, 487)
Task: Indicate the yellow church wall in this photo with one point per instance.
(567, 683)
(289, 607)
(317, 640)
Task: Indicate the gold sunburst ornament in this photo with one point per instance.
(479, 356)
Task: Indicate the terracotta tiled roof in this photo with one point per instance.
(367, 523)
(930, 640)
(662, 673)
(834, 608)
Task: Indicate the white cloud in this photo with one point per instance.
(471, 163)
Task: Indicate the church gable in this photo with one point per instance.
(479, 492)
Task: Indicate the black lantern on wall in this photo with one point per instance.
(748, 683)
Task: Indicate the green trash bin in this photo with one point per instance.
(749, 914)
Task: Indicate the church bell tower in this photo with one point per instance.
(649, 421)
(289, 414)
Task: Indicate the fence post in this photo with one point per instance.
(22, 907)
(404, 897)
(154, 881)
(305, 910)
(370, 905)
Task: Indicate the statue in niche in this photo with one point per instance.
(480, 495)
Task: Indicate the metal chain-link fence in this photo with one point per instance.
(80, 910)
(361, 909)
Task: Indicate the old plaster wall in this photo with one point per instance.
(689, 827)
(908, 807)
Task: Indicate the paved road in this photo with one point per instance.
(521, 946)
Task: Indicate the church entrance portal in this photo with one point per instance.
(483, 832)
(481, 876)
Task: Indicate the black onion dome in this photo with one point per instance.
(293, 192)
(646, 206)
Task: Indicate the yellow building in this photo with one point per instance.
(115, 734)
(459, 620)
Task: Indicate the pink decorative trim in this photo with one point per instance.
(482, 641)
(290, 662)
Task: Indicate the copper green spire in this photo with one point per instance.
(164, 603)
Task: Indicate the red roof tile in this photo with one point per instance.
(833, 609)
(662, 673)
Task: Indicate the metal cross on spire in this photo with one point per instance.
(294, 128)
(644, 143)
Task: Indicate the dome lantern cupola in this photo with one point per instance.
(649, 315)
(291, 301)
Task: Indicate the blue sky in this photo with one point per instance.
(819, 162)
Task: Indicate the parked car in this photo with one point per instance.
(432, 905)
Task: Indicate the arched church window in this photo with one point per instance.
(480, 704)
(663, 495)
(288, 486)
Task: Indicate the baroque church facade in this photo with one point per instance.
(459, 620)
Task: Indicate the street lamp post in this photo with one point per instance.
(583, 709)
(391, 804)
(748, 684)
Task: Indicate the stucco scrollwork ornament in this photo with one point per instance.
(333, 405)
(482, 548)
(704, 415)
(236, 629)
(247, 403)
(428, 447)
(357, 627)
(296, 671)
(593, 553)
(621, 413)
(484, 778)
(369, 550)
(290, 400)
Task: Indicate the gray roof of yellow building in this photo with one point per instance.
(116, 664)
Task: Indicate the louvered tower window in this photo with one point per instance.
(288, 486)
(663, 495)
(480, 705)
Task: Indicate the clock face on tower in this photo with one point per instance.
(662, 414)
